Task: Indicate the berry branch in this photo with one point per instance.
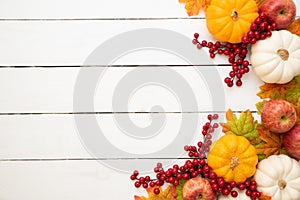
(260, 29)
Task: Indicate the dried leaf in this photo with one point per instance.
(243, 126)
(264, 197)
(168, 194)
(295, 27)
(259, 106)
(271, 143)
(193, 7)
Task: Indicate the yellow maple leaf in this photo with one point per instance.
(193, 7)
(168, 194)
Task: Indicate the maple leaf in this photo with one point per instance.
(243, 126)
(179, 189)
(193, 7)
(168, 194)
(279, 91)
(271, 143)
(295, 27)
(264, 197)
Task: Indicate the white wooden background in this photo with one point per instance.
(43, 46)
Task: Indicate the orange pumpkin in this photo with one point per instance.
(233, 158)
(230, 20)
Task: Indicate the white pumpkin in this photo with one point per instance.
(278, 176)
(241, 196)
(277, 58)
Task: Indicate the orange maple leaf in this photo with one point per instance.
(271, 143)
(264, 197)
(295, 27)
(168, 194)
(193, 7)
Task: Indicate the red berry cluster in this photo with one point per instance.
(219, 185)
(202, 148)
(260, 29)
(190, 169)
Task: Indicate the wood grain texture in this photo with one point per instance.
(51, 90)
(54, 136)
(50, 150)
(68, 9)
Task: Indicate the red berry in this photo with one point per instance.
(245, 63)
(251, 34)
(156, 191)
(253, 27)
(215, 116)
(209, 117)
(232, 184)
(196, 35)
(204, 43)
(152, 184)
(245, 39)
(137, 184)
(225, 191)
(258, 20)
(135, 172)
(232, 74)
(132, 177)
(234, 193)
(253, 40)
(199, 46)
(248, 193)
(230, 84)
(176, 182)
(241, 186)
(195, 41)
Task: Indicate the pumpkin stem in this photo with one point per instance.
(283, 53)
(281, 184)
(234, 15)
(234, 162)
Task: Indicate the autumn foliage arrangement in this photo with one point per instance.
(237, 25)
(256, 159)
(234, 166)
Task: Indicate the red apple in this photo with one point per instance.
(282, 12)
(198, 188)
(279, 116)
(291, 142)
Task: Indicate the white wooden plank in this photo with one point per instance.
(45, 9)
(67, 180)
(100, 136)
(55, 9)
(123, 89)
(48, 43)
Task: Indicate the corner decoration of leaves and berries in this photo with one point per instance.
(254, 158)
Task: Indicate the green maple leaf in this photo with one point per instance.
(179, 189)
(245, 125)
(293, 94)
